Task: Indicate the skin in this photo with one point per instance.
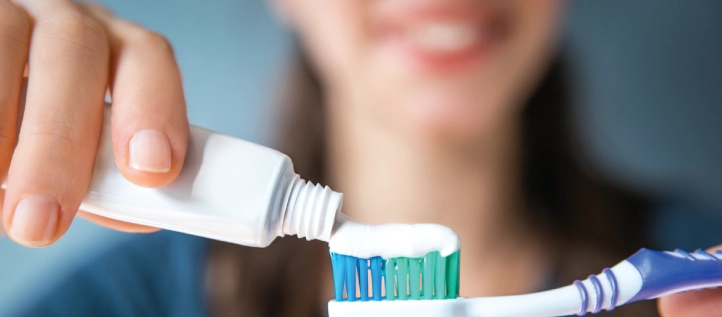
(692, 304)
(405, 140)
(75, 53)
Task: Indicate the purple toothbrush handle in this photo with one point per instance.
(665, 273)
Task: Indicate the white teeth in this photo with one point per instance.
(442, 37)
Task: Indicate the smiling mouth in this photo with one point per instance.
(443, 37)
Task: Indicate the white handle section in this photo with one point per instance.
(558, 302)
(629, 283)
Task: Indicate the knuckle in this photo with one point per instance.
(95, 7)
(76, 29)
(12, 16)
(151, 40)
(14, 23)
(57, 129)
(60, 138)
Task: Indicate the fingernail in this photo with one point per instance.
(35, 220)
(150, 152)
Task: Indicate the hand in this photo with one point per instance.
(75, 52)
(704, 303)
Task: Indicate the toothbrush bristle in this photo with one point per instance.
(430, 277)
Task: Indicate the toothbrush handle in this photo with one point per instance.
(648, 275)
(665, 273)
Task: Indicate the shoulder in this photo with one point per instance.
(686, 225)
(159, 274)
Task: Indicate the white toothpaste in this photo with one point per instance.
(391, 240)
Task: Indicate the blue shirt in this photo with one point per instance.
(159, 274)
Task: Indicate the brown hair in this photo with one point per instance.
(592, 223)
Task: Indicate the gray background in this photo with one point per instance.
(648, 73)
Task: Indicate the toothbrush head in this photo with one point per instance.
(430, 277)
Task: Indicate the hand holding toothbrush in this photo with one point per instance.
(704, 303)
(76, 52)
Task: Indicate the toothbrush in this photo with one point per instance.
(645, 275)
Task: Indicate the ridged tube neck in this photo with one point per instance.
(310, 210)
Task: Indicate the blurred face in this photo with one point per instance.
(450, 68)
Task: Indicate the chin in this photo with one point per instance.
(451, 122)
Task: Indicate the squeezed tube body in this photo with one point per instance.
(229, 190)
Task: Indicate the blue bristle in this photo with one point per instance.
(363, 279)
(351, 278)
(376, 274)
(348, 269)
(337, 262)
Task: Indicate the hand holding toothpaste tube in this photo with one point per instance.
(77, 52)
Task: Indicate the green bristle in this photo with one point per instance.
(429, 261)
(390, 278)
(440, 277)
(452, 278)
(402, 277)
(430, 277)
(415, 278)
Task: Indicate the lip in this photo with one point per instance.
(400, 19)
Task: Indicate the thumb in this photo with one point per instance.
(702, 303)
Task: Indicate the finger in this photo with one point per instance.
(14, 45)
(128, 59)
(116, 224)
(149, 123)
(106, 222)
(702, 303)
(52, 164)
